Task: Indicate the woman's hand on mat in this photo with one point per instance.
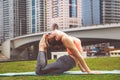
(94, 72)
(42, 43)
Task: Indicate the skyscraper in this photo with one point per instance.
(6, 19)
(35, 16)
(66, 13)
(13, 15)
(90, 12)
(1, 21)
(110, 11)
(22, 17)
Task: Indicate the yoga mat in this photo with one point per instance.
(67, 72)
(99, 72)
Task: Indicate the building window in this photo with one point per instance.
(33, 30)
(55, 8)
(33, 16)
(73, 8)
(73, 26)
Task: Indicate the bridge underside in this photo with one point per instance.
(92, 41)
(30, 51)
(25, 52)
(26, 47)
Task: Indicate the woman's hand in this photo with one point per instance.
(94, 72)
(42, 43)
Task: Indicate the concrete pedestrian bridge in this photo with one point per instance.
(88, 35)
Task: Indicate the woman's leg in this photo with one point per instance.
(41, 61)
(63, 64)
(43, 68)
(57, 67)
(53, 68)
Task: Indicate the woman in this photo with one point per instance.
(64, 63)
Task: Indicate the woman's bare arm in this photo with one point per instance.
(42, 43)
(68, 43)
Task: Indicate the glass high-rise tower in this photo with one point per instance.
(35, 16)
(1, 21)
(100, 12)
(90, 12)
(13, 18)
(110, 11)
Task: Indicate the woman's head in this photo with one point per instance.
(51, 40)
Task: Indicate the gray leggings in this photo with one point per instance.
(61, 65)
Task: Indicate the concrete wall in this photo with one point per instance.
(115, 53)
(56, 55)
(6, 48)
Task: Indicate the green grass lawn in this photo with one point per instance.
(105, 63)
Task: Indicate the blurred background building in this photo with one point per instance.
(35, 16)
(90, 12)
(12, 18)
(110, 11)
(1, 21)
(21, 17)
(66, 13)
(95, 12)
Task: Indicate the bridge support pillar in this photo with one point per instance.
(19, 54)
(33, 51)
